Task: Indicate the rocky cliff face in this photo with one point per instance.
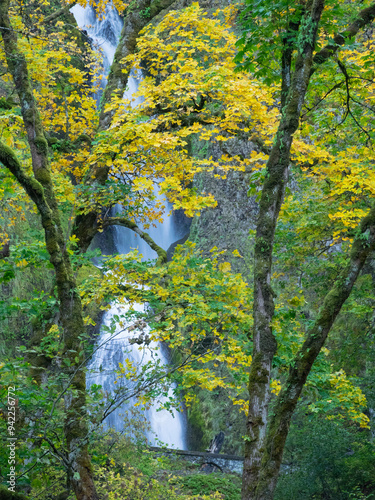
(227, 225)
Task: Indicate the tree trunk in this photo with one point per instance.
(40, 190)
(272, 196)
(266, 437)
(286, 402)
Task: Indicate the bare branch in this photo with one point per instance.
(349, 98)
(335, 87)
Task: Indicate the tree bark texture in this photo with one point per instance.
(287, 399)
(122, 221)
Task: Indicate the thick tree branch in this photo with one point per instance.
(122, 221)
(58, 13)
(365, 17)
(32, 187)
(38, 145)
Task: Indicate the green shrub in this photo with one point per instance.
(208, 484)
(6, 494)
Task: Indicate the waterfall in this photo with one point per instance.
(169, 428)
(104, 34)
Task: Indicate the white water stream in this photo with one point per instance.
(164, 426)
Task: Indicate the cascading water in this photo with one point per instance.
(104, 34)
(168, 428)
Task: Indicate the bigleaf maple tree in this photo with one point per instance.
(73, 168)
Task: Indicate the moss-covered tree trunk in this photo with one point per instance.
(266, 436)
(272, 196)
(287, 399)
(40, 189)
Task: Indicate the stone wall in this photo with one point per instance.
(209, 462)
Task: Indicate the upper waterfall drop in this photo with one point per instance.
(104, 33)
(167, 427)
